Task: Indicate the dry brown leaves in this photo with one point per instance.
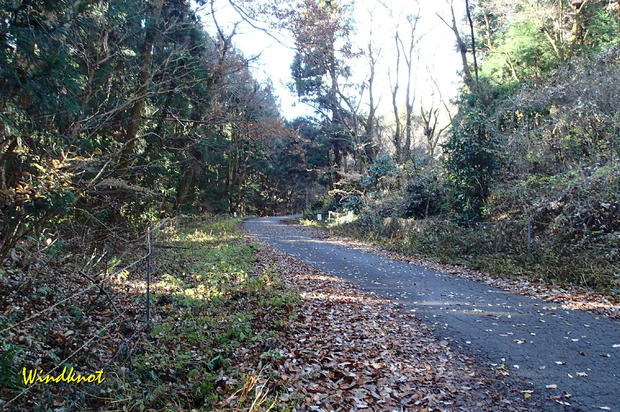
(350, 350)
(54, 315)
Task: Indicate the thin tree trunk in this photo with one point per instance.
(397, 137)
(135, 116)
(473, 41)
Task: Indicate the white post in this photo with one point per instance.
(319, 217)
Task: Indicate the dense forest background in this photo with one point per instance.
(121, 112)
(117, 113)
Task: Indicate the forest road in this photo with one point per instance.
(539, 343)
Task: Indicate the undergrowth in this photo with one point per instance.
(497, 247)
(218, 309)
(214, 311)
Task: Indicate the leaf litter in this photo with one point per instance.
(349, 349)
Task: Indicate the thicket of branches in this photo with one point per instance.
(123, 111)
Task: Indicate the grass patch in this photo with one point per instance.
(217, 323)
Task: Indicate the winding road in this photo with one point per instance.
(569, 357)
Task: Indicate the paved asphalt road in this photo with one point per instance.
(542, 344)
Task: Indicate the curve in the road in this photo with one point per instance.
(535, 340)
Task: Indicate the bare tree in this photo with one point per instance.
(410, 96)
(432, 132)
(397, 134)
(462, 47)
(473, 40)
(403, 136)
(371, 121)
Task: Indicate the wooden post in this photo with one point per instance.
(148, 277)
(529, 237)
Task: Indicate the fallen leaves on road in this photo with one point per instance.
(350, 350)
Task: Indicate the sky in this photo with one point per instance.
(437, 54)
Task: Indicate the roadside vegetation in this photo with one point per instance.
(217, 312)
(525, 180)
(220, 314)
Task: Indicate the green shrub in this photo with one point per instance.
(425, 195)
(472, 159)
(382, 169)
(9, 373)
(353, 203)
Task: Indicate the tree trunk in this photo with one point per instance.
(397, 136)
(135, 116)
